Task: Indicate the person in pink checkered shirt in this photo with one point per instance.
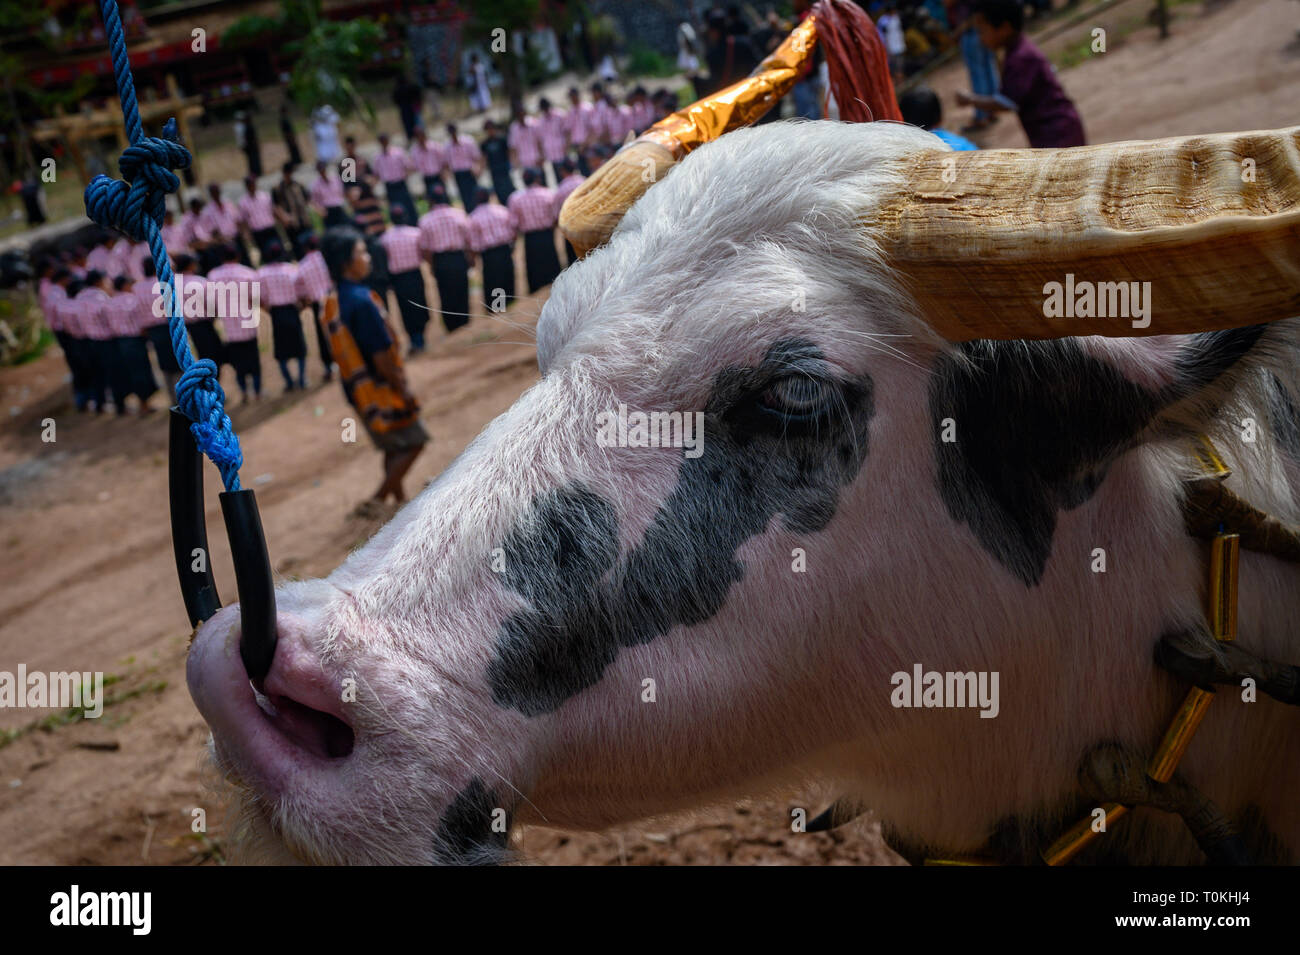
(533, 211)
(570, 180)
(402, 245)
(132, 373)
(100, 350)
(241, 351)
(279, 281)
(444, 238)
(521, 135)
(492, 234)
(314, 287)
(552, 134)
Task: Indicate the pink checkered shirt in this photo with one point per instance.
(314, 277)
(463, 154)
(89, 304)
(193, 230)
(600, 111)
(175, 238)
(643, 115)
(428, 159)
(192, 290)
(522, 138)
(392, 165)
(533, 208)
(52, 296)
(580, 121)
(133, 261)
(279, 284)
(618, 123)
(490, 225)
(255, 210)
(402, 243)
(327, 193)
(143, 290)
(103, 259)
(68, 316)
(444, 229)
(552, 134)
(570, 182)
(220, 221)
(233, 323)
(120, 314)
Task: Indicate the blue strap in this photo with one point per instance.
(134, 205)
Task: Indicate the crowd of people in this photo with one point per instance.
(338, 245)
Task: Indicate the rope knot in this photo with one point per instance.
(125, 204)
(201, 399)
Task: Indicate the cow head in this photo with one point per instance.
(578, 625)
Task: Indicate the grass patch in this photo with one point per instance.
(75, 714)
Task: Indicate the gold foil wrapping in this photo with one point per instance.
(740, 103)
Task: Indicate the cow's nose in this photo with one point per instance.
(301, 699)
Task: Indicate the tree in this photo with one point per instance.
(493, 25)
(329, 53)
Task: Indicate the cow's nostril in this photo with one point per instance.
(319, 733)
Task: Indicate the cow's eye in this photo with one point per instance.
(797, 397)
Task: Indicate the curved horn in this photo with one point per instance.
(1211, 222)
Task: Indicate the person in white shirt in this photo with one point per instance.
(890, 26)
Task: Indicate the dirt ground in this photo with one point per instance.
(86, 575)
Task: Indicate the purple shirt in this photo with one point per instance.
(1028, 80)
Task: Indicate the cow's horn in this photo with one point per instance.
(1211, 222)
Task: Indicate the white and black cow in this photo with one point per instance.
(870, 497)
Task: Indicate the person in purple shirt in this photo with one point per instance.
(1029, 84)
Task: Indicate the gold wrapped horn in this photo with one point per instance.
(1211, 222)
(592, 210)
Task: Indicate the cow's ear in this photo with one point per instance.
(1035, 425)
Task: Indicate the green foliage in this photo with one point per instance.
(646, 61)
(509, 15)
(23, 335)
(250, 28)
(329, 60)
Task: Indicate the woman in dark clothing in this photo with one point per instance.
(496, 151)
(290, 137)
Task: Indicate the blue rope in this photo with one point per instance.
(134, 205)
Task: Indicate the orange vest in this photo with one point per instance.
(382, 409)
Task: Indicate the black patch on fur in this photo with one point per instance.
(465, 835)
(756, 464)
(1284, 419)
(1038, 424)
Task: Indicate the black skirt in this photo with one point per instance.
(243, 356)
(466, 184)
(161, 338)
(409, 288)
(134, 355)
(206, 341)
(451, 273)
(286, 332)
(498, 273)
(540, 259)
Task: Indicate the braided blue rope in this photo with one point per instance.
(134, 205)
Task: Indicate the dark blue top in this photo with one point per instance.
(359, 315)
